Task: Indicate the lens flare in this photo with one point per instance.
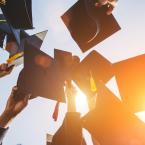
(81, 101)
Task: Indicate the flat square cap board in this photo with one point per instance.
(18, 13)
(40, 76)
(66, 62)
(2, 38)
(130, 76)
(12, 33)
(2, 30)
(93, 68)
(111, 123)
(15, 34)
(89, 25)
(4, 27)
(35, 40)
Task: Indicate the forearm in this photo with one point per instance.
(71, 104)
(5, 119)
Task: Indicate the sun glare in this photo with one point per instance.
(81, 101)
(82, 107)
(141, 116)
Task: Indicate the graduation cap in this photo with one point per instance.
(130, 76)
(36, 40)
(111, 123)
(18, 13)
(2, 38)
(36, 73)
(4, 29)
(7, 29)
(88, 24)
(66, 62)
(3, 24)
(42, 75)
(92, 69)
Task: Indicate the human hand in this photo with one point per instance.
(5, 69)
(13, 108)
(70, 92)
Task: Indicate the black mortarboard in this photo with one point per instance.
(2, 33)
(111, 123)
(43, 75)
(15, 36)
(88, 24)
(92, 69)
(35, 40)
(7, 29)
(2, 38)
(4, 27)
(66, 63)
(18, 13)
(40, 76)
(130, 75)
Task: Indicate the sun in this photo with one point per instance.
(81, 101)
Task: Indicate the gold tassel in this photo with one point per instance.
(13, 58)
(92, 83)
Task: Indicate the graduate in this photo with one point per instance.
(16, 52)
(12, 109)
(70, 133)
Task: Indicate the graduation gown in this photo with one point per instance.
(70, 133)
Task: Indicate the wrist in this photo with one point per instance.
(71, 104)
(5, 119)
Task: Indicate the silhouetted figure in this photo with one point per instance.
(70, 133)
(13, 108)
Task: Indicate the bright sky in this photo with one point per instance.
(31, 126)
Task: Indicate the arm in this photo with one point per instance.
(12, 109)
(71, 96)
(71, 130)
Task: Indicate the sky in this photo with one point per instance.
(31, 126)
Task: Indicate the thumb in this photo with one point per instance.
(14, 90)
(26, 98)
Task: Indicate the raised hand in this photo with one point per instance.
(5, 69)
(70, 92)
(13, 108)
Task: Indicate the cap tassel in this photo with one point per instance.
(92, 83)
(56, 110)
